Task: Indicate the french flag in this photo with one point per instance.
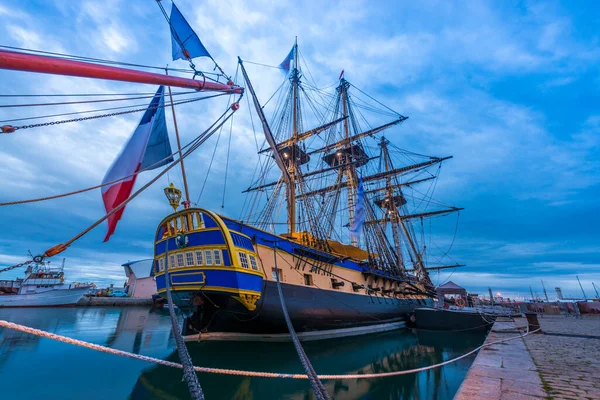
(286, 63)
(148, 146)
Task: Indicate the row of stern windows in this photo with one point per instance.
(205, 257)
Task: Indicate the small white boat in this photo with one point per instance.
(42, 287)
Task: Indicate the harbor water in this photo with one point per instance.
(34, 368)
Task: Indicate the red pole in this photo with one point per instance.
(50, 65)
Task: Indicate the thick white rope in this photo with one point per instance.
(221, 371)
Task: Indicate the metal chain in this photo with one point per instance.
(110, 114)
(16, 266)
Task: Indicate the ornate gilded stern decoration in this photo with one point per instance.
(248, 300)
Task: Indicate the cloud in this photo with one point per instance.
(454, 69)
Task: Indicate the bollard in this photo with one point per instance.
(532, 321)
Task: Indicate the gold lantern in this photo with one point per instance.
(173, 195)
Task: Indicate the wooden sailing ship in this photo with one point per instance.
(348, 256)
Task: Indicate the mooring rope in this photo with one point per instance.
(188, 366)
(317, 385)
(237, 372)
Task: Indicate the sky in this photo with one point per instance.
(510, 89)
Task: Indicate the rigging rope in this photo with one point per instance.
(235, 372)
(35, 200)
(59, 248)
(316, 384)
(10, 129)
(188, 366)
(62, 103)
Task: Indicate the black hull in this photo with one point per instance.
(310, 309)
(447, 320)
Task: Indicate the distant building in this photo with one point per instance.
(451, 291)
(140, 278)
(559, 293)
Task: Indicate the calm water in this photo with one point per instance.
(34, 368)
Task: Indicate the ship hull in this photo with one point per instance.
(50, 298)
(310, 309)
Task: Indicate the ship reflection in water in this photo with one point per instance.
(96, 375)
(392, 351)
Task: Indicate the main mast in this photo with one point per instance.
(348, 170)
(291, 196)
(390, 203)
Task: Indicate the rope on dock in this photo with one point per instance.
(237, 372)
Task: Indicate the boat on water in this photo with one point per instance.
(346, 254)
(451, 320)
(43, 286)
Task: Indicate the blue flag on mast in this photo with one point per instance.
(287, 61)
(180, 29)
(359, 211)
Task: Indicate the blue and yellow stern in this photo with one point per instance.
(207, 261)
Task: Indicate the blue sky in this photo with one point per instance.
(510, 89)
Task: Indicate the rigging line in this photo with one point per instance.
(102, 61)
(82, 102)
(316, 384)
(90, 94)
(226, 166)
(10, 203)
(263, 65)
(211, 162)
(375, 100)
(189, 374)
(201, 139)
(166, 104)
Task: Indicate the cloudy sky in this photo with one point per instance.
(510, 89)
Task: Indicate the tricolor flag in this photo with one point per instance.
(182, 32)
(148, 145)
(359, 211)
(287, 62)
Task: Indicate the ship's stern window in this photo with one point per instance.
(189, 259)
(199, 258)
(243, 259)
(217, 257)
(180, 260)
(161, 264)
(275, 274)
(308, 279)
(253, 262)
(172, 261)
(208, 257)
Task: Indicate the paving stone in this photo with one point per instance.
(569, 366)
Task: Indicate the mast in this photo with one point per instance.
(584, 296)
(596, 290)
(544, 287)
(186, 203)
(291, 219)
(531, 291)
(343, 88)
(391, 208)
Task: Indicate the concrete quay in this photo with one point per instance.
(86, 301)
(561, 363)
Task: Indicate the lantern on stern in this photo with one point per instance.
(173, 195)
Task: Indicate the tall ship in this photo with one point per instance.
(333, 220)
(327, 217)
